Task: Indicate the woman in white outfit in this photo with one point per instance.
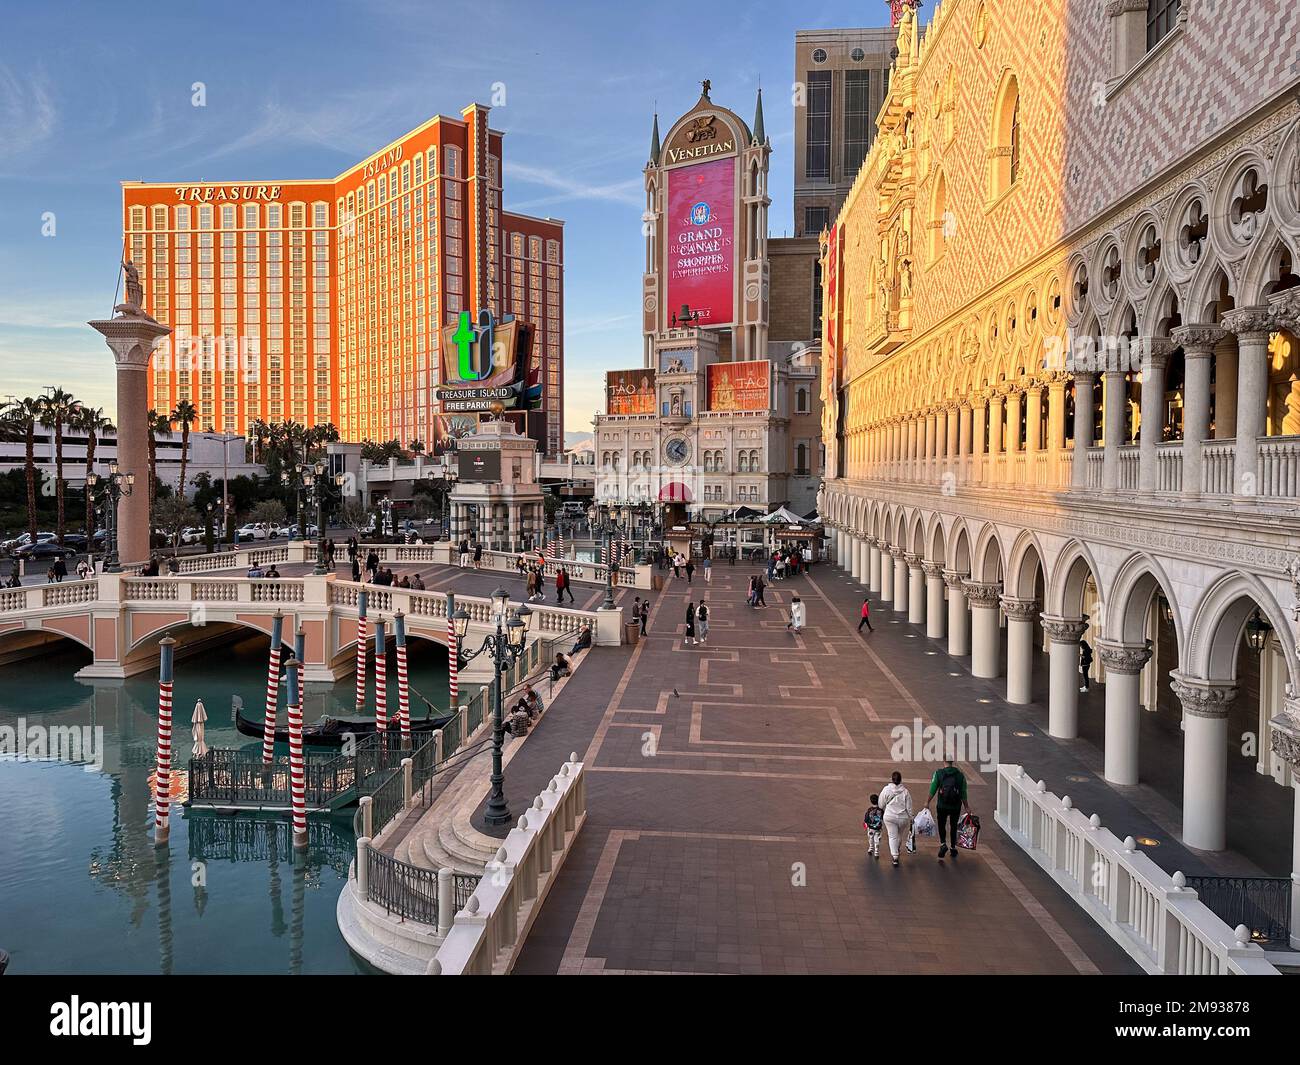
(796, 615)
(896, 801)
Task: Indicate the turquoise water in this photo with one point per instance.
(82, 887)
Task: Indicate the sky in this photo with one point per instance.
(95, 93)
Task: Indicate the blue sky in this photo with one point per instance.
(95, 93)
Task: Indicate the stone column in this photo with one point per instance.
(1011, 432)
(1034, 421)
(886, 573)
(1063, 690)
(1020, 648)
(1252, 326)
(900, 580)
(1205, 760)
(996, 418)
(1114, 409)
(951, 430)
(979, 440)
(934, 609)
(964, 441)
(862, 551)
(1083, 419)
(1151, 431)
(958, 614)
(131, 337)
(986, 650)
(1285, 743)
(1198, 343)
(931, 438)
(1123, 663)
(915, 590)
(854, 558)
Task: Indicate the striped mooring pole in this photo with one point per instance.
(453, 645)
(381, 679)
(361, 650)
(272, 690)
(300, 653)
(162, 784)
(297, 776)
(403, 688)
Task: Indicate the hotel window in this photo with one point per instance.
(160, 218)
(274, 216)
(817, 150)
(453, 162)
(1161, 17)
(182, 218)
(432, 156)
(228, 217)
(205, 217)
(250, 216)
(857, 119)
(419, 169)
(137, 218)
(815, 219)
(321, 214)
(406, 177)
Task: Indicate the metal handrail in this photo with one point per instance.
(1261, 903)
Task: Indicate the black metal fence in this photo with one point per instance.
(1261, 903)
(239, 778)
(403, 889)
(217, 838)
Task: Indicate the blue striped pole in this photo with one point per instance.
(297, 775)
(272, 689)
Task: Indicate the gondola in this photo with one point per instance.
(333, 731)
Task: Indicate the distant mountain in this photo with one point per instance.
(573, 440)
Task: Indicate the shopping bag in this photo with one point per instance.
(968, 832)
(925, 824)
(911, 840)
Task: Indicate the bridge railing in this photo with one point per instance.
(1155, 917)
(238, 778)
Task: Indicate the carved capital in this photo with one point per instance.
(1019, 609)
(1064, 630)
(1285, 732)
(1123, 658)
(932, 570)
(913, 561)
(1156, 351)
(982, 595)
(1255, 323)
(1198, 339)
(1285, 307)
(1202, 699)
(954, 580)
(899, 554)
(1116, 8)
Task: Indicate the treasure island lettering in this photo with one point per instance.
(227, 192)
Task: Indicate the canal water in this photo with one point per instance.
(82, 887)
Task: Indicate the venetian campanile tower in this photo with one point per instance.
(705, 226)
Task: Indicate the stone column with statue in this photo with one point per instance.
(131, 335)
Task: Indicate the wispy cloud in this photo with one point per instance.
(629, 192)
(28, 114)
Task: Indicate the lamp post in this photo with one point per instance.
(605, 528)
(116, 485)
(505, 646)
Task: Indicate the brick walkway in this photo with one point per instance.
(726, 786)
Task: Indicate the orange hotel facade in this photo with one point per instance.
(322, 301)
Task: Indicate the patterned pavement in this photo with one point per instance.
(726, 785)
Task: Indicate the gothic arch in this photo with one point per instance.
(1137, 580)
(1219, 618)
(1025, 560)
(961, 547)
(1069, 576)
(935, 538)
(986, 559)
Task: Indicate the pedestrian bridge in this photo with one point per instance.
(120, 618)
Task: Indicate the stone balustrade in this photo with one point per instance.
(1158, 921)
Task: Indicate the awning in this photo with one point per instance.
(674, 492)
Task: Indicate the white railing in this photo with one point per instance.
(1158, 921)
(1216, 466)
(1169, 467)
(1129, 464)
(486, 936)
(1279, 467)
(1096, 456)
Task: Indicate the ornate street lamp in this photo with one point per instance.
(505, 647)
(605, 529)
(115, 485)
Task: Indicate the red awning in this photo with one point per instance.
(674, 492)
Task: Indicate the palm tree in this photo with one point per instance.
(186, 414)
(92, 422)
(58, 408)
(21, 417)
(155, 423)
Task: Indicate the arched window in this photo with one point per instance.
(938, 216)
(1004, 149)
(742, 462)
(1161, 16)
(801, 401)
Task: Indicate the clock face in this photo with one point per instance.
(677, 450)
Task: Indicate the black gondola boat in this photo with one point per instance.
(333, 731)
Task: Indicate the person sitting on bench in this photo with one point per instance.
(583, 641)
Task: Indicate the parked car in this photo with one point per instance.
(192, 534)
(254, 530)
(45, 549)
(10, 546)
(313, 532)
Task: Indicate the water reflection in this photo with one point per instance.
(82, 887)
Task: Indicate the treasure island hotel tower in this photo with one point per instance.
(324, 300)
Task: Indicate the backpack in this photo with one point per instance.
(873, 818)
(950, 787)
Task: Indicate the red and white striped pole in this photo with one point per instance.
(403, 687)
(361, 650)
(297, 774)
(162, 785)
(300, 653)
(381, 679)
(453, 659)
(272, 690)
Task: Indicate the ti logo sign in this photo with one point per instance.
(467, 338)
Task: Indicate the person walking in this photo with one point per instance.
(948, 785)
(779, 573)
(568, 583)
(532, 584)
(897, 803)
(690, 623)
(644, 617)
(706, 564)
(702, 622)
(731, 556)
(1085, 663)
(865, 618)
(478, 554)
(541, 583)
(559, 586)
(464, 553)
(372, 564)
(690, 570)
(356, 569)
(796, 616)
(677, 565)
(60, 569)
(758, 591)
